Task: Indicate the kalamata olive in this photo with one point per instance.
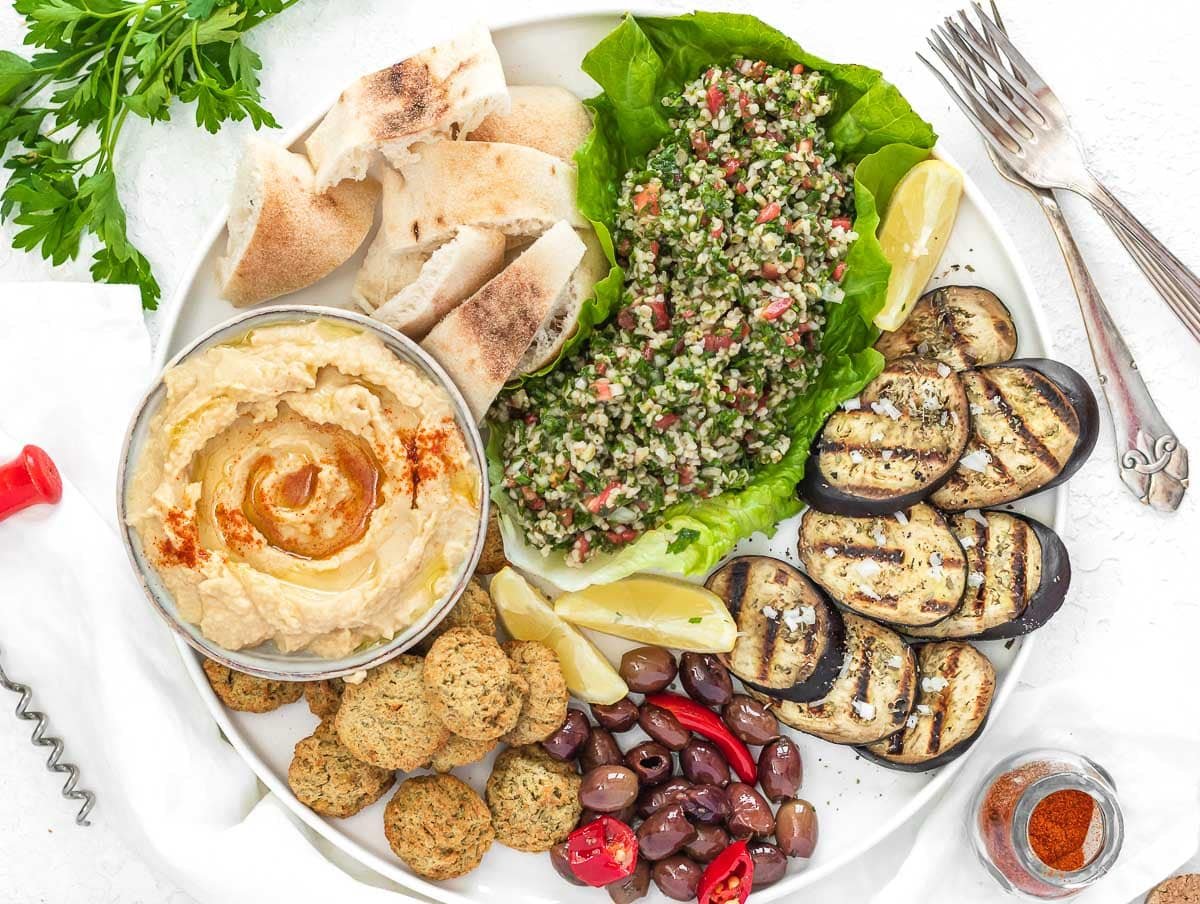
(600, 750)
(780, 769)
(558, 857)
(648, 670)
(749, 812)
(770, 864)
(709, 841)
(664, 833)
(618, 717)
(750, 721)
(662, 725)
(633, 886)
(796, 828)
(703, 763)
(678, 877)
(650, 761)
(658, 796)
(706, 804)
(626, 815)
(566, 742)
(705, 679)
(607, 789)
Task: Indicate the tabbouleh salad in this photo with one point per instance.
(733, 237)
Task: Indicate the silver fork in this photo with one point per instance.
(1153, 464)
(1026, 125)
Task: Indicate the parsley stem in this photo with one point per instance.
(108, 138)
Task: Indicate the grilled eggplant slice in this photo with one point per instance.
(954, 695)
(872, 695)
(893, 445)
(904, 569)
(962, 326)
(791, 639)
(1018, 572)
(1033, 424)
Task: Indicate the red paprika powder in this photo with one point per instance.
(1061, 827)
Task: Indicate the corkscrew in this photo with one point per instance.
(39, 738)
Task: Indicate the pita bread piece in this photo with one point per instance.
(546, 117)
(443, 92)
(480, 342)
(283, 234)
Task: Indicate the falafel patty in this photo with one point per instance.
(248, 694)
(438, 826)
(545, 706)
(387, 720)
(329, 780)
(533, 797)
(472, 685)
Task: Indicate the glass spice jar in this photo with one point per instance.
(1046, 823)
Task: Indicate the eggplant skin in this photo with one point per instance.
(906, 572)
(873, 694)
(897, 443)
(1052, 588)
(956, 713)
(798, 663)
(1033, 424)
(961, 326)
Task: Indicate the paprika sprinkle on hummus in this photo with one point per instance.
(302, 485)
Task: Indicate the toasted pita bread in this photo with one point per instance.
(519, 191)
(384, 274)
(443, 92)
(563, 319)
(453, 272)
(480, 342)
(546, 117)
(283, 234)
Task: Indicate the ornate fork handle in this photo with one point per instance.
(1152, 461)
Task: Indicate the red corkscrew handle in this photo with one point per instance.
(27, 480)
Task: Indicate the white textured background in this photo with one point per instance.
(1125, 71)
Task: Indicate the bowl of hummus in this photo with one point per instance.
(302, 493)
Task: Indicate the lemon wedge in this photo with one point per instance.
(914, 233)
(527, 615)
(654, 610)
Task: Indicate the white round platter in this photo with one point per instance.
(858, 803)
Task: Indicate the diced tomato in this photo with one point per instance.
(654, 246)
(770, 271)
(626, 319)
(582, 547)
(686, 474)
(533, 500)
(839, 271)
(620, 534)
(758, 70)
(566, 517)
(716, 100)
(647, 198)
(744, 106)
(776, 308)
(717, 231)
(843, 222)
(600, 501)
(713, 343)
(768, 213)
(798, 69)
(741, 188)
(659, 317)
(601, 368)
(700, 144)
(804, 145)
(806, 183)
(744, 331)
(647, 352)
(710, 75)
(731, 165)
(665, 421)
(530, 417)
(603, 390)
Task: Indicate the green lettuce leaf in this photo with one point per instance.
(870, 125)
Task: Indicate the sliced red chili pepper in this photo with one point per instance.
(768, 213)
(703, 721)
(729, 877)
(602, 852)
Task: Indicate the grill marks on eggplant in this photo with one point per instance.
(961, 326)
(872, 695)
(1024, 431)
(954, 694)
(791, 639)
(902, 441)
(1004, 572)
(910, 572)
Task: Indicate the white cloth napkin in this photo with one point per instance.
(73, 362)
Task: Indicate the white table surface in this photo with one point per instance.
(1125, 72)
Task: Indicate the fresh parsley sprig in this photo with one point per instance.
(62, 111)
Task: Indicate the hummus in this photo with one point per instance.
(303, 485)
